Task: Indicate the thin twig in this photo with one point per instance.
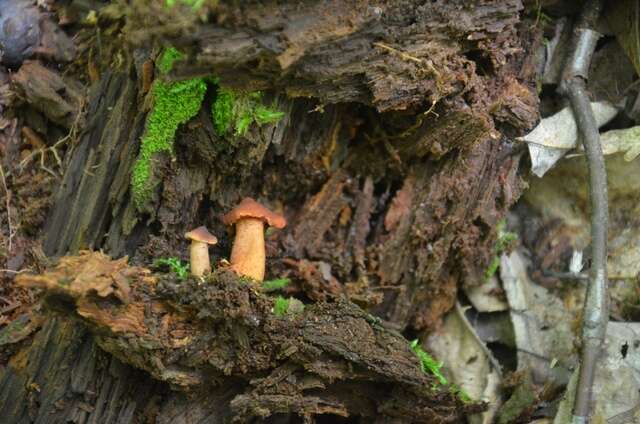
(595, 316)
(402, 54)
(10, 271)
(8, 205)
(53, 149)
(494, 362)
(406, 56)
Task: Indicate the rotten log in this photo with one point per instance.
(220, 332)
(392, 55)
(360, 151)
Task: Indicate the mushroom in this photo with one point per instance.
(200, 238)
(247, 254)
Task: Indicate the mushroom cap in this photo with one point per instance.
(249, 208)
(201, 234)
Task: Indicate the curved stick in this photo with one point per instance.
(596, 314)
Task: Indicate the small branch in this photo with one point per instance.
(10, 271)
(35, 140)
(596, 314)
(492, 359)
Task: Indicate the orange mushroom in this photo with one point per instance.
(248, 254)
(200, 238)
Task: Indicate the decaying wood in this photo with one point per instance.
(45, 90)
(96, 182)
(61, 375)
(391, 168)
(194, 335)
(392, 55)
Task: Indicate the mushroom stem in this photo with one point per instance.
(247, 254)
(200, 263)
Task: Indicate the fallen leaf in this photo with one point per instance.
(485, 298)
(467, 363)
(617, 383)
(556, 135)
(541, 324)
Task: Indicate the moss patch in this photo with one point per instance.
(167, 59)
(174, 103)
(275, 285)
(427, 363)
(504, 242)
(281, 306)
(238, 111)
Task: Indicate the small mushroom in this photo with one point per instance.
(200, 238)
(247, 254)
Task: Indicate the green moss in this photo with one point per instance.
(264, 115)
(427, 363)
(237, 111)
(175, 103)
(274, 285)
(504, 241)
(459, 391)
(290, 306)
(222, 111)
(167, 59)
(492, 268)
(175, 265)
(195, 4)
(505, 238)
(281, 306)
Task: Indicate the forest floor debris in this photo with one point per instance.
(397, 211)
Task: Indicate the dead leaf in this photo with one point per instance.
(556, 135)
(466, 362)
(542, 327)
(617, 383)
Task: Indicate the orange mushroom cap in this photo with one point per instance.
(249, 208)
(201, 234)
